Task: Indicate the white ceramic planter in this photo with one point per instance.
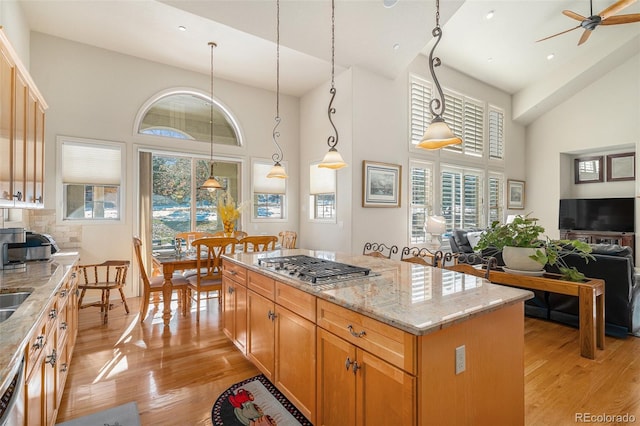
(517, 258)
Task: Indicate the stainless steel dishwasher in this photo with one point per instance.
(12, 399)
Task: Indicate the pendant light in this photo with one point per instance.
(211, 184)
(332, 159)
(438, 133)
(277, 171)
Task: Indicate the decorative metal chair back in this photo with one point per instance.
(259, 243)
(421, 256)
(208, 255)
(288, 239)
(379, 250)
(484, 271)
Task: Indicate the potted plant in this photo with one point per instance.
(525, 235)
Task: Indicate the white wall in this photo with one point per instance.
(603, 117)
(14, 25)
(94, 93)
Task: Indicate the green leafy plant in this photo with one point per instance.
(524, 231)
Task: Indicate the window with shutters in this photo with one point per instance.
(496, 133)
(92, 176)
(496, 197)
(461, 195)
(268, 193)
(420, 95)
(322, 194)
(421, 203)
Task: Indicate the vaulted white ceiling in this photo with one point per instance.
(501, 51)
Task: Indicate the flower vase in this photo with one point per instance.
(228, 228)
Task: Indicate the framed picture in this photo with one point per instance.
(515, 194)
(380, 184)
(589, 169)
(621, 167)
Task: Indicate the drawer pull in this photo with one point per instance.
(231, 272)
(63, 325)
(231, 290)
(354, 334)
(39, 343)
(51, 359)
(53, 314)
(64, 368)
(63, 293)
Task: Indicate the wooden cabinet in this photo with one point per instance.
(22, 120)
(234, 310)
(261, 333)
(48, 355)
(601, 237)
(356, 387)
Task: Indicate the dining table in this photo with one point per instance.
(169, 261)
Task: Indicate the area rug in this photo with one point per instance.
(255, 401)
(122, 415)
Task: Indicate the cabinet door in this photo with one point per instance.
(20, 136)
(235, 313)
(296, 360)
(228, 308)
(6, 128)
(261, 333)
(386, 395)
(49, 382)
(336, 381)
(39, 160)
(30, 152)
(34, 400)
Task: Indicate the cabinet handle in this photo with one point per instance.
(348, 363)
(39, 343)
(63, 293)
(51, 359)
(38, 199)
(231, 290)
(232, 272)
(18, 195)
(53, 314)
(63, 326)
(272, 315)
(354, 334)
(355, 367)
(64, 368)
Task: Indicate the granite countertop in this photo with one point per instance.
(414, 298)
(42, 279)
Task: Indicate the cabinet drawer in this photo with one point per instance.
(389, 343)
(303, 304)
(35, 346)
(235, 272)
(262, 285)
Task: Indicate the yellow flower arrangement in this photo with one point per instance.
(228, 212)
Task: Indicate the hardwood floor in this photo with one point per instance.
(175, 377)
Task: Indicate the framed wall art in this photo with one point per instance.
(621, 167)
(589, 169)
(515, 194)
(380, 184)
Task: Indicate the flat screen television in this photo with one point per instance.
(597, 214)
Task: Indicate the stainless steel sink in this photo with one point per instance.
(5, 314)
(12, 300)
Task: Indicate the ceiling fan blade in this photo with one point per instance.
(551, 36)
(573, 15)
(615, 8)
(622, 19)
(585, 36)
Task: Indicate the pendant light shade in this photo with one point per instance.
(332, 159)
(211, 184)
(438, 134)
(277, 171)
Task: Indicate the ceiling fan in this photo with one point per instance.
(606, 17)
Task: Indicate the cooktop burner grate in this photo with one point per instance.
(312, 269)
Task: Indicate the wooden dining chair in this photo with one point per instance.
(104, 277)
(208, 261)
(152, 286)
(421, 256)
(288, 239)
(238, 235)
(379, 250)
(254, 243)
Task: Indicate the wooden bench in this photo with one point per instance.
(590, 296)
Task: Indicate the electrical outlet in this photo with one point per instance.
(461, 363)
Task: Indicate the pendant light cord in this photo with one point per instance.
(213, 45)
(436, 106)
(277, 156)
(332, 141)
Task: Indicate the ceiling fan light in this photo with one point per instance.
(332, 160)
(438, 135)
(277, 171)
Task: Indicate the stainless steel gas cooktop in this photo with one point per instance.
(312, 269)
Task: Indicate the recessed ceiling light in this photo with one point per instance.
(389, 3)
(490, 14)
(489, 59)
(550, 56)
(396, 46)
(182, 28)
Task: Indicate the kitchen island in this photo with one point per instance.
(404, 344)
(38, 338)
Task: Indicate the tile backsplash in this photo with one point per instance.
(67, 236)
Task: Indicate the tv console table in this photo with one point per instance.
(590, 295)
(601, 237)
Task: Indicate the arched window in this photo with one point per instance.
(185, 114)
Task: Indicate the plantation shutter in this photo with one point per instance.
(495, 198)
(454, 117)
(461, 192)
(421, 181)
(496, 134)
(420, 113)
(473, 128)
(471, 201)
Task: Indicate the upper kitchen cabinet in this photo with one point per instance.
(22, 120)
